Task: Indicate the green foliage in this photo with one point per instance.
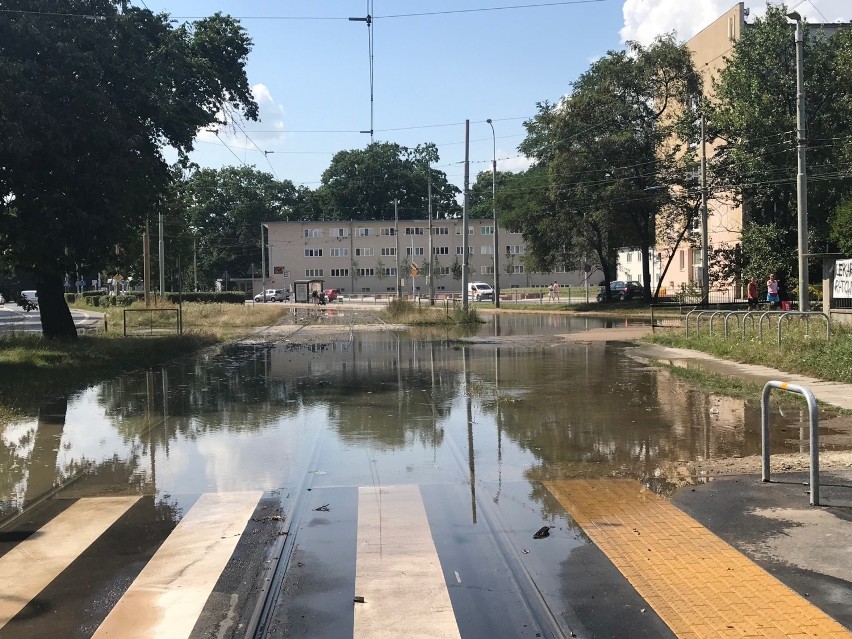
(85, 122)
(362, 184)
(399, 307)
(754, 118)
(70, 298)
(216, 297)
(841, 227)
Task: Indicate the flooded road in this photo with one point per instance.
(289, 440)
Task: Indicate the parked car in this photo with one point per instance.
(480, 291)
(332, 294)
(28, 301)
(621, 291)
(273, 295)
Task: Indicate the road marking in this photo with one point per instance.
(397, 569)
(31, 565)
(698, 584)
(167, 597)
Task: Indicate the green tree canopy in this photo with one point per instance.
(88, 99)
(362, 184)
(612, 156)
(754, 118)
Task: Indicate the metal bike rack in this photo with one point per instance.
(814, 427)
(807, 315)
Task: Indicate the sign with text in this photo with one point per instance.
(843, 279)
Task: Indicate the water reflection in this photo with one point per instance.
(379, 407)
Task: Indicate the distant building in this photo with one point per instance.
(360, 256)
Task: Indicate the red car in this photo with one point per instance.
(332, 294)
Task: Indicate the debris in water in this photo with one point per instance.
(542, 532)
(323, 508)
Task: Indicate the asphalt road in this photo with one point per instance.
(13, 319)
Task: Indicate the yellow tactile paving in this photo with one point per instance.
(698, 584)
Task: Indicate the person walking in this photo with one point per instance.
(772, 292)
(752, 294)
(556, 290)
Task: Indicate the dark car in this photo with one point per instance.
(621, 291)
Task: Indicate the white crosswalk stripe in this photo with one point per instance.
(35, 562)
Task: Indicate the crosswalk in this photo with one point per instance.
(390, 561)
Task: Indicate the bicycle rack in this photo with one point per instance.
(814, 428)
(807, 315)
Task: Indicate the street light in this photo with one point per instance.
(494, 215)
(801, 178)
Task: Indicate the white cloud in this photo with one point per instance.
(271, 118)
(646, 19)
(513, 164)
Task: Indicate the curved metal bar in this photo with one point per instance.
(814, 434)
(807, 315)
(749, 315)
(736, 315)
(712, 319)
(687, 321)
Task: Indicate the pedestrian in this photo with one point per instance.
(752, 294)
(772, 292)
(556, 290)
(314, 297)
(552, 292)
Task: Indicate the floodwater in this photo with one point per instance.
(508, 401)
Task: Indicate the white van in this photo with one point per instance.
(29, 300)
(479, 291)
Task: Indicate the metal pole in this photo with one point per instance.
(146, 267)
(195, 267)
(705, 239)
(396, 233)
(494, 216)
(431, 255)
(464, 211)
(162, 270)
(262, 264)
(801, 178)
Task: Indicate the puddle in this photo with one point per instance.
(382, 406)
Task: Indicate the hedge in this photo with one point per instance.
(221, 297)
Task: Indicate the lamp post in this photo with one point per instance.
(494, 215)
(801, 178)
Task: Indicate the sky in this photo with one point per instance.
(436, 63)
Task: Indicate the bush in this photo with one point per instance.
(398, 307)
(70, 298)
(219, 297)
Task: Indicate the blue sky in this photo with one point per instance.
(431, 72)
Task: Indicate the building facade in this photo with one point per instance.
(367, 257)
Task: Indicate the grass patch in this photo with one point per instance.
(401, 311)
(803, 351)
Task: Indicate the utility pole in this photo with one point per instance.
(195, 267)
(431, 256)
(146, 262)
(801, 177)
(494, 216)
(162, 246)
(705, 240)
(464, 211)
(396, 234)
(262, 263)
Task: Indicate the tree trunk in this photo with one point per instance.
(42, 472)
(56, 320)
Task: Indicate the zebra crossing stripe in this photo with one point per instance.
(31, 565)
(398, 572)
(167, 597)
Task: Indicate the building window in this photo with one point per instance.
(366, 272)
(340, 272)
(440, 250)
(340, 252)
(364, 232)
(313, 252)
(515, 249)
(682, 259)
(629, 257)
(313, 232)
(486, 230)
(486, 250)
(518, 268)
(338, 233)
(364, 252)
(390, 271)
(442, 270)
(487, 270)
(389, 251)
(414, 230)
(388, 230)
(460, 250)
(418, 250)
(459, 230)
(441, 230)
(313, 272)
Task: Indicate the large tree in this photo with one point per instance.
(362, 184)
(220, 211)
(754, 119)
(89, 96)
(612, 153)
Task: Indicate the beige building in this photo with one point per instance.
(360, 257)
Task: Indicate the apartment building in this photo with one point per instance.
(365, 257)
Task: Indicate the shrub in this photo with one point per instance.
(70, 298)
(398, 307)
(220, 297)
